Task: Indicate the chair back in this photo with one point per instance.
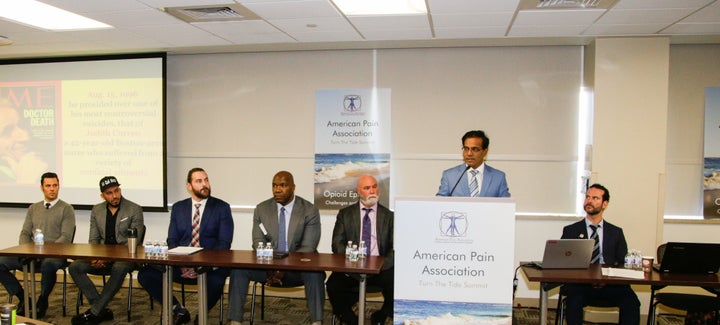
(660, 253)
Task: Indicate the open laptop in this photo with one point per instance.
(567, 254)
(695, 258)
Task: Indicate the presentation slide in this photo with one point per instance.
(83, 118)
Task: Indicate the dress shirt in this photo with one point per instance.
(52, 203)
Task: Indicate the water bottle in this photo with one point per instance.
(148, 249)
(348, 249)
(637, 260)
(39, 237)
(354, 254)
(156, 249)
(362, 250)
(163, 249)
(269, 252)
(629, 260)
(260, 251)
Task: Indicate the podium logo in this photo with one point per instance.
(453, 224)
(352, 103)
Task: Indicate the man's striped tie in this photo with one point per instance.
(596, 248)
(474, 191)
(195, 241)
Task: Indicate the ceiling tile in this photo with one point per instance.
(472, 20)
(458, 33)
(643, 16)
(709, 14)
(633, 29)
(692, 29)
(387, 23)
(656, 4)
(546, 31)
(471, 6)
(292, 9)
(247, 32)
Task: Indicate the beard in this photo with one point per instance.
(591, 210)
(202, 193)
(369, 201)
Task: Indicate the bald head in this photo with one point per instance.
(367, 189)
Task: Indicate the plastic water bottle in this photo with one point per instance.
(362, 250)
(156, 249)
(354, 254)
(148, 249)
(163, 249)
(629, 260)
(637, 259)
(348, 249)
(260, 251)
(39, 237)
(269, 252)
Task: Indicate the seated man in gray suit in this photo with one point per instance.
(291, 224)
(474, 177)
(109, 224)
(368, 219)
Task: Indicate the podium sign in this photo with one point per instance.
(454, 260)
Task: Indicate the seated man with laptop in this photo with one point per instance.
(610, 249)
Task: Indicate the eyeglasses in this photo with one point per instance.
(473, 149)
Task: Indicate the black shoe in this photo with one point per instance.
(106, 314)
(378, 318)
(181, 316)
(42, 306)
(86, 318)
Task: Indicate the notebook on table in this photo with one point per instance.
(566, 254)
(694, 258)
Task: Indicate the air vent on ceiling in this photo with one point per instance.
(195, 14)
(565, 4)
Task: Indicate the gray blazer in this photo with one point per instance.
(347, 227)
(130, 215)
(303, 234)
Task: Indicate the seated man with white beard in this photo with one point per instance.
(371, 222)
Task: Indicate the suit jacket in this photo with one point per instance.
(130, 215)
(614, 246)
(347, 227)
(303, 233)
(494, 183)
(216, 225)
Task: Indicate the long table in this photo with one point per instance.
(204, 258)
(550, 279)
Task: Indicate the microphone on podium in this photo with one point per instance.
(458, 181)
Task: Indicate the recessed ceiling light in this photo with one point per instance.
(38, 14)
(381, 7)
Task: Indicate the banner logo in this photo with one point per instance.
(352, 103)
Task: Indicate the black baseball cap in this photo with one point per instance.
(108, 182)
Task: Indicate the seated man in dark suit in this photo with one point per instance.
(215, 221)
(349, 225)
(610, 249)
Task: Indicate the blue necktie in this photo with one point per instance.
(596, 248)
(366, 229)
(282, 241)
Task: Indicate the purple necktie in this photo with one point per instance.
(366, 230)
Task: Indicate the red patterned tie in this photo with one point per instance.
(196, 227)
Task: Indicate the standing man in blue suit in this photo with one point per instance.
(474, 177)
(216, 232)
(612, 249)
(291, 224)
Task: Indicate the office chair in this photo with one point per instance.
(105, 272)
(64, 271)
(560, 310)
(682, 301)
